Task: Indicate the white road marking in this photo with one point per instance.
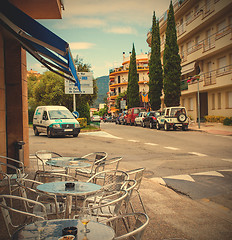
(152, 144)
(172, 148)
(181, 177)
(198, 154)
(226, 170)
(132, 140)
(228, 160)
(210, 173)
(100, 134)
(158, 180)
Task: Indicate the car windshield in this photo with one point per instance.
(60, 114)
(176, 111)
(95, 116)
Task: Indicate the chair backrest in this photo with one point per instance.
(136, 174)
(111, 179)
(108, 164)
(42, 156)
(13, 215)
(95, 158)
(13, 164)
(132, 225)
(106, 204)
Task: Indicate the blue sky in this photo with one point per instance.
(99, 31)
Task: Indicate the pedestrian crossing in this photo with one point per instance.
(189, 177)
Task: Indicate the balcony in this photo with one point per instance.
(218, 40)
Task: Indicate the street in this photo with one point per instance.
(195, 164)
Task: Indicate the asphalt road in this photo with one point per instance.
(195, 164)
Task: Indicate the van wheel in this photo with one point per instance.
(49, 133)
(75, 135)
(36, 132)
(143, 125)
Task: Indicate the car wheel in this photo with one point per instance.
(151, 125)
(36, 132)
(135, 123)
(143, 124)
(166, 127)
(174, 128)
(157, 126)
(75, 135)
(131, 123)
(184, 128)
(49, 133)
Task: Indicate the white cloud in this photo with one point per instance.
(80, 45)
(121, 30)
(120, 11)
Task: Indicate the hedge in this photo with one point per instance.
(219, 119)
(83, 122)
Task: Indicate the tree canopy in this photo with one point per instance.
(133, 99)
(155, 68)
(171, 63)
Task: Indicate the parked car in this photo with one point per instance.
(117, 119)
(107, 119)
(173, 117)
(133, 113)
(96, 118)
(55, 120)
(139, 119)
(122, 117)
(150, 119)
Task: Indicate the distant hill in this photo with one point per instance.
(103, 88)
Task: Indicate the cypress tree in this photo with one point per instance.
(133, 99)
(155, 68)
(171, 63)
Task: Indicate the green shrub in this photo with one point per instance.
(83, 122)
(218, 119)
(227, 121)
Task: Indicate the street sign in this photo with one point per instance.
(123, 104)
(75, 114)
(86, 82)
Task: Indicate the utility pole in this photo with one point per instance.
(74, 102)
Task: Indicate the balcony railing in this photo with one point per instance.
(207, 43)
(209, 78)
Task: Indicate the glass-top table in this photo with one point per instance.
(68, 162)
(59, 188)
(52, 230)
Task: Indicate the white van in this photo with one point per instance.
(55, 120)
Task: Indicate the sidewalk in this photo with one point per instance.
(213, 128)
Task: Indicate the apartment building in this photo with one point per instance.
(204, 36)
(119, 79)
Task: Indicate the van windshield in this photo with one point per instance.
(60, 114)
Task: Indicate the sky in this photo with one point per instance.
(99, 31)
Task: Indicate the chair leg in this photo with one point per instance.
(141, 201)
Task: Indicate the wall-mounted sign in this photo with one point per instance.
(86, 81)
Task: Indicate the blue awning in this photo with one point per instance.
(48, 48)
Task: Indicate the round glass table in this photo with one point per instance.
(68, 162)
(52, 230)
(60, 189)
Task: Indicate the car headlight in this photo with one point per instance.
(77, 125)
(56, 126)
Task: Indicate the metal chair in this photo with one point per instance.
(108, 164)
(111, 180)
(54, 205)
(16, 169)
(42, 169)
(95, 158)
(137, 174)
(105, 204)
(128, 226)
(14, 217)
